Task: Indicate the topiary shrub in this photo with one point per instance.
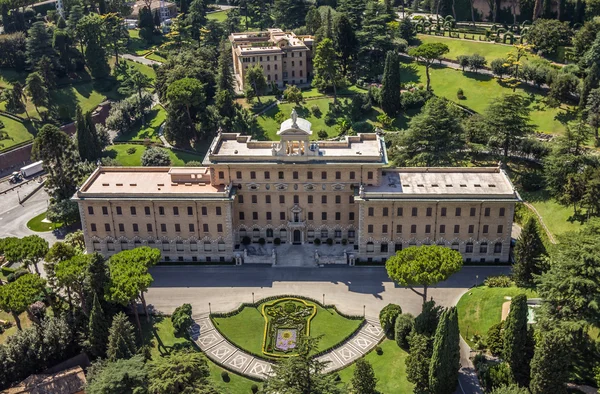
(225, 376)
(316, 111)
(254, 388)
(379, 350)
(404, 325)
(362, 127)
(329, 241)
(498, 281)
(322, 134)
(261, 241)
(317, 241)
(387, 318)
(246, 240)
(460, 94)
(494, 339)
(182, 319)
(330, 118)
(277, 241)
(131, 151)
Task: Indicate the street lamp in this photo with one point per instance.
(476, 280)
(323, 299)
(364, 306)
(253, 297)
(209, 309)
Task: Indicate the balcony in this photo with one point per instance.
(298, 224)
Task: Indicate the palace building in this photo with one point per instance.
(297, 191)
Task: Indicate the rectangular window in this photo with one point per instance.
(93, 226)
(282, 199)
(415, 211)
(149, 227)
(442, 228)
(219, 228)
(269, 216)
(254, 215)
(176, 211)
(191, 227)
(105, 210)
(241, 214)
(338, 216)
(324, 175)
(502, 211)
(498, 247)
(385, 211)
(310, 199)
(252, 174)
(324, 216)
(254, 199)
(241, 199)
(190, 211)
(352, 175)
(456, 229)
(485, 228)
(204, 211)
(351, 216)
(310, 216)
(370, 175)
(90, 210)
(338, 199)
(428, 229)
(457, 212)
(487, 212)
(338, 175)
(163, 227)
(106, 227)
(309, 175)
(472, 211)
(399, 228)
(238, 174)
(371, 211)
(429, 211)
(280, 175)
(471, 229)
(384, 228)
(221, 175)
(296, 199)
(133, 210)
(400, 211)
(281, 215)
(135, 228)
(177, 228)
(443, 212)
(161, 210)
(147, 211)
(500, 229)
(218, 211)
(469, 248)
(384, 248)
(370, 228)
(295, 175)
(205, 227)
(323, 199)
(121, 227)
(267, 199)
(350, 199)
(413, 228)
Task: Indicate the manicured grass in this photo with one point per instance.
(36, 224)
(156, 58)
(219, 16)
(144, 69)
(481, 90)
(119, 153)
(10, 75)
(557, 218)
(25, 322)
(459, 46)
(155, 118)
(160, 335)
(246, 329)
(481, 307)
(18, 132)
(390, 369)
(270, 126)
(138, 46)
(83, 94)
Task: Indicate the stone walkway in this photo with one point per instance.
(227, 355)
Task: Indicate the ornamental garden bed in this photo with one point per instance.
(270, 329)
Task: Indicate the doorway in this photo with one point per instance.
(297, 237)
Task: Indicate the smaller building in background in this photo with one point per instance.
(284, 57)
(166, 9)
(69, 381)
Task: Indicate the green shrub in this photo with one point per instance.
(277, 241)
(387, 318)
(261, 241)
(322, 134)
(329, 241)
(362, 127)
(182, 319)
(316, 111)
(280, 117)
(254, 388)
(225, 376)
(1, 125)
(460, 94)
(317, 241)
(379, 350)
(330, 118)
(402, 329)
(494, 339)
(246, 240)
(495, 375)
(131, 151)
(498, 281)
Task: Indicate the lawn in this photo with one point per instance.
(25, 322)
(138, 46)
(9, 75)
(481, 307)
(390, 369)
(481, 90)
(156, 58)
(219, 16)
(144, 69)
(18, 132)
(154, 120)
(119, 153)
(459, 46)
(557, 218)
(246, 329)
(36, 224)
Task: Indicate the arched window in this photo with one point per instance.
(255, 233)
(370, 247)
(179, 246)
(469, 247)
(269, 233)
(324, 233)
(242, 232)
(283, 234)
(207, 246)
(455, 246)
(483, 247)
(498, 247)
(221, 246)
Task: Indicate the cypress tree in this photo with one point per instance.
(528, 254)
(445, 359)
(550, 364)
(516, 340)
(121, 338)
(390, 89)
(97, 329)
(225, 76)
(87, 138)
(417, 362)
(364, 380)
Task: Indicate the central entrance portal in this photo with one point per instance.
(297, 237)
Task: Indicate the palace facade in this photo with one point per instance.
(297, 191)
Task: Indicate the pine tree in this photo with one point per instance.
(225, 76)
(345, 41)
(326, 68)
(390, 89)
(88, 143)
(516, 340)
(97, 329)
(121, 338)
(550, 364)
(37, 91)
(529, 252)
(445, 359)
(364, 380)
